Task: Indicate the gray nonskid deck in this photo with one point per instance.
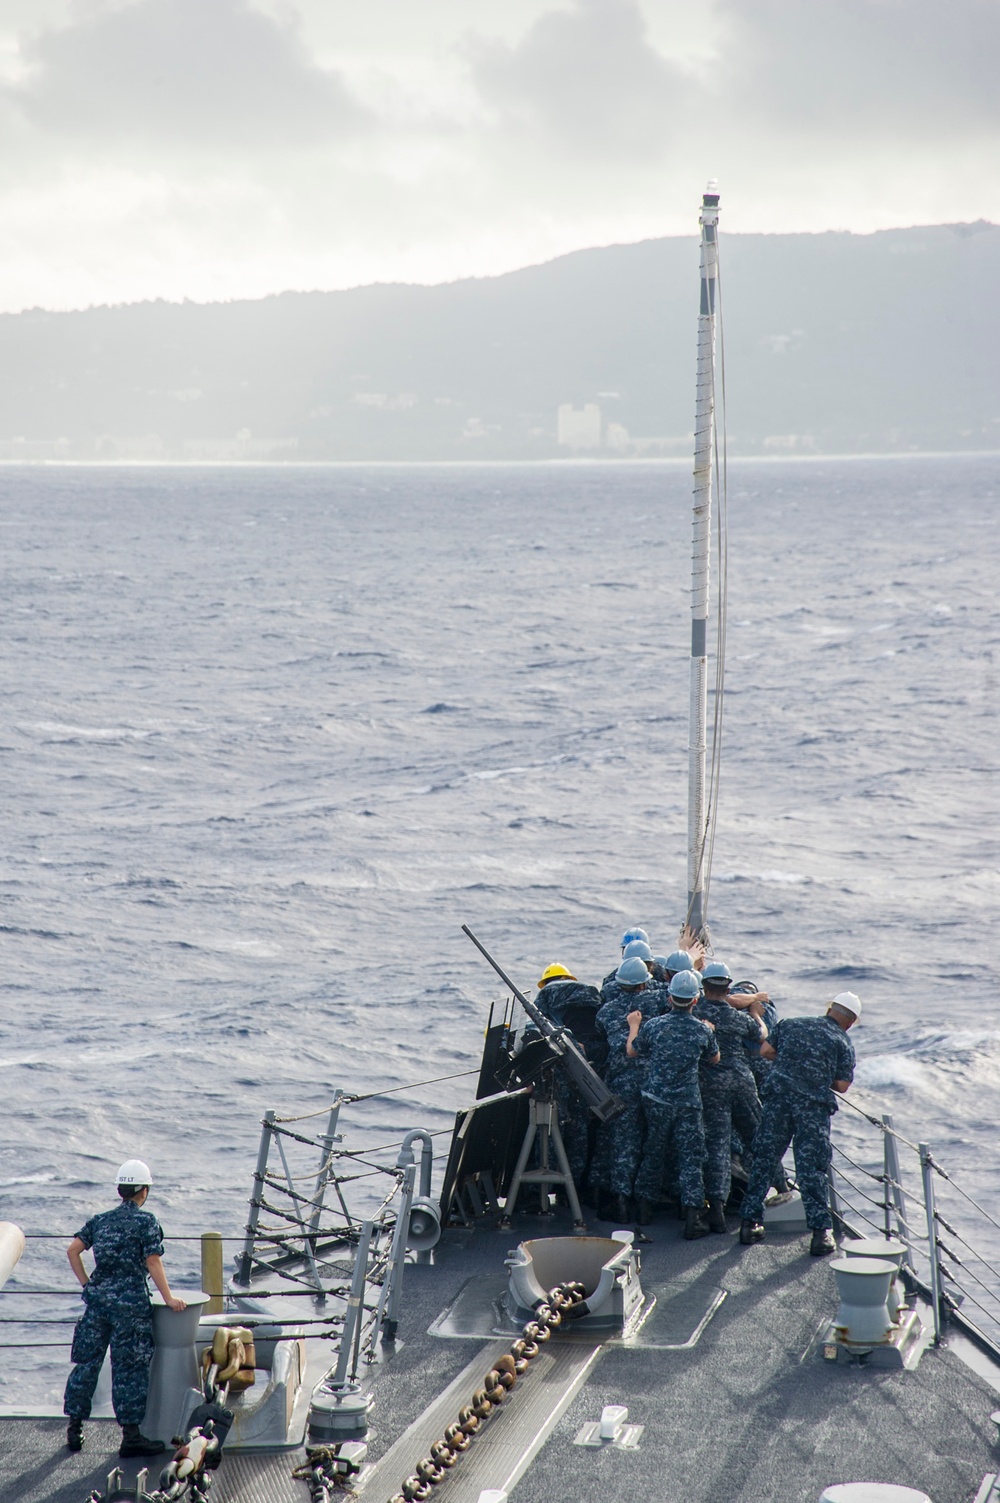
(510, 1437)
(748, 1412)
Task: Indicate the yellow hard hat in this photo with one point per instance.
(555, 973)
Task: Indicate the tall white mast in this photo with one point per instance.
(704, 448)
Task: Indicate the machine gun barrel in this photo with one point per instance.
(603, 1103)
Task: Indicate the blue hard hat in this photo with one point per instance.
(631, 934)
(632, 972)
(680, 960)
(637, 947)
(717, 973)
(685, 986)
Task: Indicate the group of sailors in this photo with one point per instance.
(703, 1068)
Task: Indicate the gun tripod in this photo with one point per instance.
(543, 1126)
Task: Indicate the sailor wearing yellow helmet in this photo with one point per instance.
(572, 1004)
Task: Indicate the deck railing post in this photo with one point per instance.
(246, 1256)
(894, 1186)
(392, 1287)
(355, 1306)
(927, 1176)
(324, 1173)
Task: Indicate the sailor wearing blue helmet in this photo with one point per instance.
(673, 1045)
(728, 1093)
(619, 1142)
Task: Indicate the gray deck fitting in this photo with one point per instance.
(509, 1439)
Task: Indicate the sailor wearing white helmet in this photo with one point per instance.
(127, 1243)
(813, 1060)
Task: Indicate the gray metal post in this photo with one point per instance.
(323, 1174)
(392, 1285)
(246, 1256)
(895, 1186)
(834, 1202)
(927, 1175)
(355, 1305)
(704, 438)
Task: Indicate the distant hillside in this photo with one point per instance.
(833, 343)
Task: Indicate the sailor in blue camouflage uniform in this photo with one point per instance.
(728, 1092)
(813, 1060)
(628, 938)
(573, 1005)
(760, 1068)
(673, 1047)
(619, 1142)
(127, 1244)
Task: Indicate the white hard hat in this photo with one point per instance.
(848, 1002)
(134, 1172)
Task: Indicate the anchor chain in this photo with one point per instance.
(560, 1303)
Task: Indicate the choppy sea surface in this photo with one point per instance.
(270, 735)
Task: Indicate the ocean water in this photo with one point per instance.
(271, 735)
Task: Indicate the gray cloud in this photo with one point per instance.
(213, 74)
(915, 69)
(586, 80)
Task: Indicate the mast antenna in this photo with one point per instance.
(701, 550)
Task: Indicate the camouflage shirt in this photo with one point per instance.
(122, 1240)
(735, 1031)
(612, 1020)
(812, 1054)
(672, 1047)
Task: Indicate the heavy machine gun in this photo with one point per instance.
(603, 1103)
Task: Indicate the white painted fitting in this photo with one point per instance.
(613, 1417)
(872, 1492)
(11, 1248)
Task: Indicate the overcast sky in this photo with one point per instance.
(229, 148)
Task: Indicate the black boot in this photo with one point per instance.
(751, 1232)
(621, 1211)
(644, 1212)
(694, 1227)
(822, 1243)
(136, 1444)
(717, 1216)
(74, 1434)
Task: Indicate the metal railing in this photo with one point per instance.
(892, 1187)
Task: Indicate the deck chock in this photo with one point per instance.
(610, 1430)
(607, 1267)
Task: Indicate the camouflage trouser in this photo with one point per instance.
(619, 1142)
(729, 1100)
(127, 1326)
(574, 1124)
(806, 1125)
(683, 1123)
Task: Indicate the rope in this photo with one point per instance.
(876, 1122)
(945, 1175)
(374, 1095)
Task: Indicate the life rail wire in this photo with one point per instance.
(932, 1252)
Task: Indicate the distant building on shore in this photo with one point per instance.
(578, 427)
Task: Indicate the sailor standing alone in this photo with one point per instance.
(127, 1244)
(813, 1060)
